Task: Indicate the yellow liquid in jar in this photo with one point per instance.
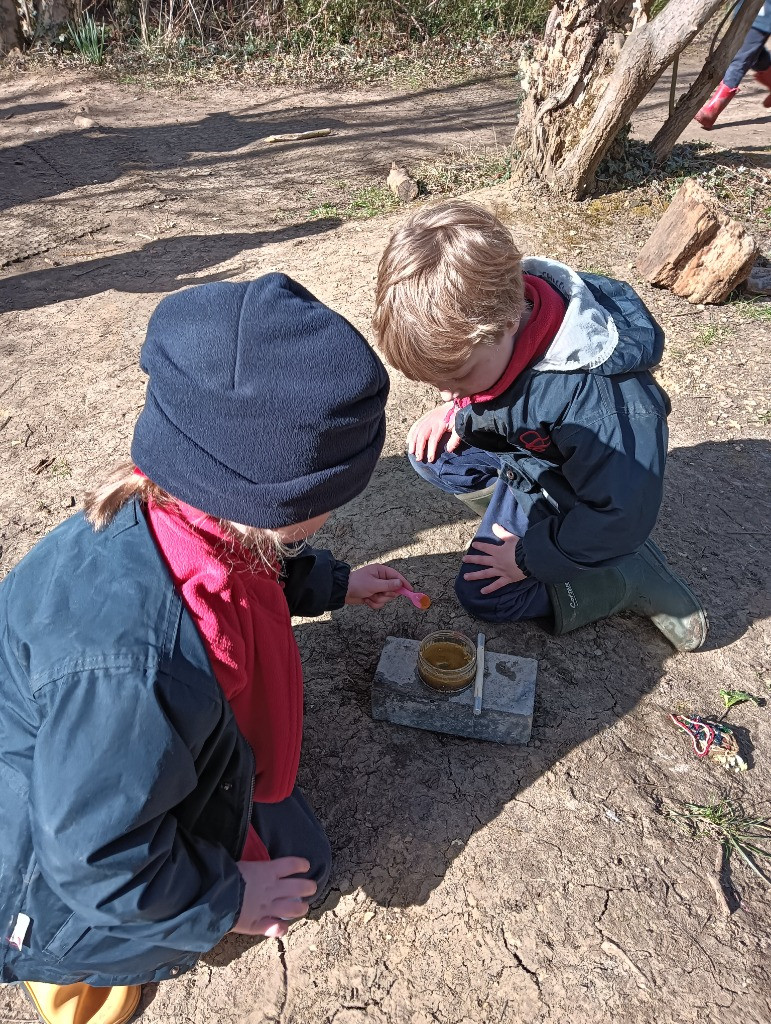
(447, 656)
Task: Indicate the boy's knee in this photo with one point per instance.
(513, 603)
(425, 470)
(481, 606)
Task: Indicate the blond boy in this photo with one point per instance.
(551, 424)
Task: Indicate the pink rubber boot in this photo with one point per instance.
(714, 106)
(764, 77)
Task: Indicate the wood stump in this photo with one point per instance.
(401, 184)
(696, 250)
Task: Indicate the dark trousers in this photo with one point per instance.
(470, 469)
(753, 55)
(289, 828)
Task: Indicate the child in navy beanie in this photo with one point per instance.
(149, 674)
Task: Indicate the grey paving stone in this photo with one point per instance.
(400, 696)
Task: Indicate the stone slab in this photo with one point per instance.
(400, 696)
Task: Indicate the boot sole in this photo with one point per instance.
(685, 633)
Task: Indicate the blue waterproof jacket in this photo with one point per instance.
(582, 434)
(763, 21)
(125, 784)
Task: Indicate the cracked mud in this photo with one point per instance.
(472, 883)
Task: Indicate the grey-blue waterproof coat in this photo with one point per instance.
(125, 784)
(763, 21)
(582, 434)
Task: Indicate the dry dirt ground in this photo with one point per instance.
(472, 883)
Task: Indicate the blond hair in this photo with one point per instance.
(450, 278)
(124, 484)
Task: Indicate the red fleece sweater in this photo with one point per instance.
(243, 618)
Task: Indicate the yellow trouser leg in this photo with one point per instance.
(83, 1004)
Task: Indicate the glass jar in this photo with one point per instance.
(447, 661)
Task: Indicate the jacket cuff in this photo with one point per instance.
(341, 573)
(519, 558)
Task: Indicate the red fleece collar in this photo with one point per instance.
(545, 320)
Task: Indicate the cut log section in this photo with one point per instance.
(401, 184)
(696, 250)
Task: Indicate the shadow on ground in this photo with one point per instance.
(400, 804)
(54, 165)
(161, 265)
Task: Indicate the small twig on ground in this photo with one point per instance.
(299, 136)
(716, 881)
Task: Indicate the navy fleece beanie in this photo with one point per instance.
(263, 406)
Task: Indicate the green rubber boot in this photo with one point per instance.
(478, 501)
(642, 583)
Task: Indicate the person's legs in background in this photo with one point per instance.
(752, 54)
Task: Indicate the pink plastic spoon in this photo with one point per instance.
(421, 601)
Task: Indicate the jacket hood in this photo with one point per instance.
(606, 326)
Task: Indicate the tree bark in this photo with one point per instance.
(710, 75)
(10, 28)
(597, 60)
(565, 78)
(50, 15)
(645, 55)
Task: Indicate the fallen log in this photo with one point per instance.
(696, 250)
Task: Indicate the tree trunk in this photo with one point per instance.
(564, 80)
(710, 75)
(50, 15)
(597, 60)
(10, 28)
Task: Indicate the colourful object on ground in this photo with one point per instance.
(83, 1004)
(713, 740)
(421, 601)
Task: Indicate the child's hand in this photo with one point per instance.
(502, 565)
(426, 433)
(273, 894)
(374, 585)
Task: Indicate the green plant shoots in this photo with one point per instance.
(728, 825)
(731, 698)
(88, 38)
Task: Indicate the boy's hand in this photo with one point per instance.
(374, 585)
(272, 895)
(427, 432)
(499, 558)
